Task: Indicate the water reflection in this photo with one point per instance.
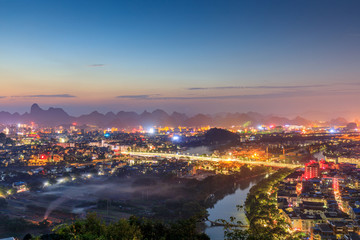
(244, 185)
(226, 207)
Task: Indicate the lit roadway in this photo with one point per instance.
(200, 158)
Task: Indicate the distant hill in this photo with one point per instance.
(216, 136)
(57, 116)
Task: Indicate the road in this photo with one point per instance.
(201, 158)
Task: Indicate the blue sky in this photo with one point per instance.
(281, 57)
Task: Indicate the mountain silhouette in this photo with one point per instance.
(50, 117)
(57, 116)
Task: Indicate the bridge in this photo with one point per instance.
(215, 159)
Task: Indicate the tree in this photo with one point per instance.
(185, 229)
(3, 191)
(90, 228)
(52, 181)
(28, 237)
(123, 230)
(245, 171)
(34, 186)
(2, 137)
(44, 224)
(132, 229)
(193, 208)
(265, 219)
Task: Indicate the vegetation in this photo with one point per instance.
(6, 191)
(220, 136)
(191, 195)
(265, 219)
(5, 140)
(3, 191)
(16, 225)
(93, 228)
(141, 228)
(170, 198)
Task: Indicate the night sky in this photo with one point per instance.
(282, 57)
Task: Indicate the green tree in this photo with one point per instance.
(265, 219)
(92, 228)
(123, 230)
(185, 229)
(2, 138)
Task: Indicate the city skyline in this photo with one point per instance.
(179, 119)
(280, 57)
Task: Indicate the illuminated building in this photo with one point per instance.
(20, 187)
(43, 159)
(312, 170)
(337, 182)
(324, 165)
(299, 186)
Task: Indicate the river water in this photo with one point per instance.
(226, 207)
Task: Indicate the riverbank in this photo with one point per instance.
(166, 198)
(226, 207)
(265, 219)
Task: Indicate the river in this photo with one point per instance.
(226, 207)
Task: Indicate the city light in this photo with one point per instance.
(180, 119)
(61, 180)
(176, 138)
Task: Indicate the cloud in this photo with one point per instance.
(146, 96)
(351, 84)
(3, 97)
(96, 65)
(257, 87)
(282, 94)
(48, 96)
(218, 97)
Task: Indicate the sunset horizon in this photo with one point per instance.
(294, 58)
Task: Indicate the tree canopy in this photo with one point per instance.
(93, 228)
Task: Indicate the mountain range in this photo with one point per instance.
(57, 116)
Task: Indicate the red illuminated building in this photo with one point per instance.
(324, 165)
(312, 169)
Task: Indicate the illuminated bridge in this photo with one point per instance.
(215, 159)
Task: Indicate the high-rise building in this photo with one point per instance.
(312, 169)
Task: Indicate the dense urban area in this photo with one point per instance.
(179, 120)
(168, 177)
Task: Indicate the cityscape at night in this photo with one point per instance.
(179, 120)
